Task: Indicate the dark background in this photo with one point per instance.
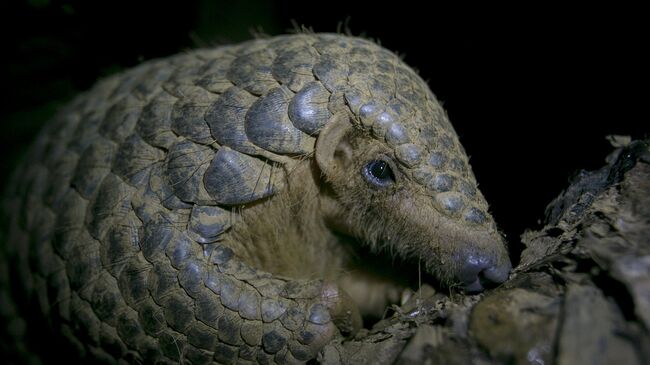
(531, 91)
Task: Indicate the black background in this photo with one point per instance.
(532, 91)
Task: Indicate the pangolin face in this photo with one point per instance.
(409, 185)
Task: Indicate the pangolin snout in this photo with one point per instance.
(479, 273)
(481, 268)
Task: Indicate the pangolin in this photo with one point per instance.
(207, 207)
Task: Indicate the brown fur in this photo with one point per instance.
(297, 232)
(287, 235)
(290, 235)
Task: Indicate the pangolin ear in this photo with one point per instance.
(333, 149)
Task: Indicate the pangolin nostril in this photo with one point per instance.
(496, 274)
(480, 273)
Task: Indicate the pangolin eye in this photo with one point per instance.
(379, 173)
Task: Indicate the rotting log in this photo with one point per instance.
(580, 294)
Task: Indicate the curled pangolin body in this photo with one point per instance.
(117, 214)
